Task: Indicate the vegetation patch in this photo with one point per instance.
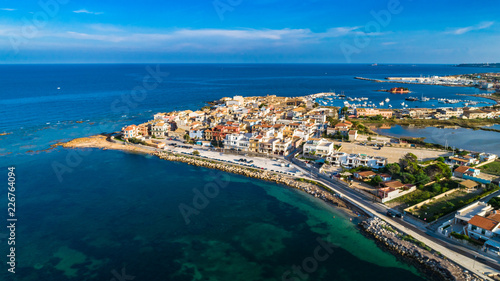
(457, 200)
(465, 237)
(492, 168)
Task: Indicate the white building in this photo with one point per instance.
(483, 157)
(319, 147)
(196, 134)
(130, 132)
(356, 160)
(283, 146)
(239, 142)
(159, 129)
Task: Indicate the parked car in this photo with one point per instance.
(391, 214)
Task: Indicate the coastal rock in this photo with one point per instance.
(400, 243)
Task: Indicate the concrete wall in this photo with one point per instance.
(431, 199)
(397, 195)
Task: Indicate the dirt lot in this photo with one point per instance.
(393, 154)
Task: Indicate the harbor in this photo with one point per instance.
(391, 101)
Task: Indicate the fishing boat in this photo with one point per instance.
(424, 98)
(411, 99)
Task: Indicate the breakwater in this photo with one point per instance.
(404, 245)
(408, 82)
(304, 185)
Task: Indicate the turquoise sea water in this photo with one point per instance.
(116, 211)
(96, 215)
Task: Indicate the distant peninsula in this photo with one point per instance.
(489, 65)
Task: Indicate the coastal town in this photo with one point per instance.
(250, 140)
(489, 80)
(305, 140)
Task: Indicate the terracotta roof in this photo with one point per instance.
(394, 184)
(494, 216)
(462, 169)
(366, 173)
(483, 222)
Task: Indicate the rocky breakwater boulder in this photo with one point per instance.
(308, 187)
(402, 244)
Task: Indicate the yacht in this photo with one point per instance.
(387, 100)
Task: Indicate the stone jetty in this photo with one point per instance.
(402, 244)
(305, 186)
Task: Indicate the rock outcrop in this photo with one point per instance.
(406, 246)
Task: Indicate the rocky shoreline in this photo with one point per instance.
(305, 186)
(386, 235)
(404, 245)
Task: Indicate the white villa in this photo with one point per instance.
(319, 147)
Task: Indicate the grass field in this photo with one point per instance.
(444, 205)
(492, 168)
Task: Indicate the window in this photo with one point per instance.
(473, 227)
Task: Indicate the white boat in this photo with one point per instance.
(381, 103)
(390, 106)
(387, 100)
(403, 103)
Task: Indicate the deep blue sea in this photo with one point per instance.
(93, 215)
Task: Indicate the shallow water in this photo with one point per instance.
(469, 139)
(117, 211)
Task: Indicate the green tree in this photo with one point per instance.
(409, 163)
(196, 152)
(376, 180)
(369, 138)
(394, 168)
(434, 188)
(344, 110)
(422, 178)
(440, 159)
(495, 202)
(408, 178)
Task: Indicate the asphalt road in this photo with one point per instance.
(382, 210)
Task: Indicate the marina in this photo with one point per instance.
(354, 101)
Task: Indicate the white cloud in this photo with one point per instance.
(85, 11)
(463, 30)
(105, 28)
(205, 40)
(7, 9)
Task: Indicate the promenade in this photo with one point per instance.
(460, 255)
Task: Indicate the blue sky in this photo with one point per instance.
(250, 31)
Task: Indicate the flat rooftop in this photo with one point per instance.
(472, 210)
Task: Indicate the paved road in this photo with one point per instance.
(454, 251)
